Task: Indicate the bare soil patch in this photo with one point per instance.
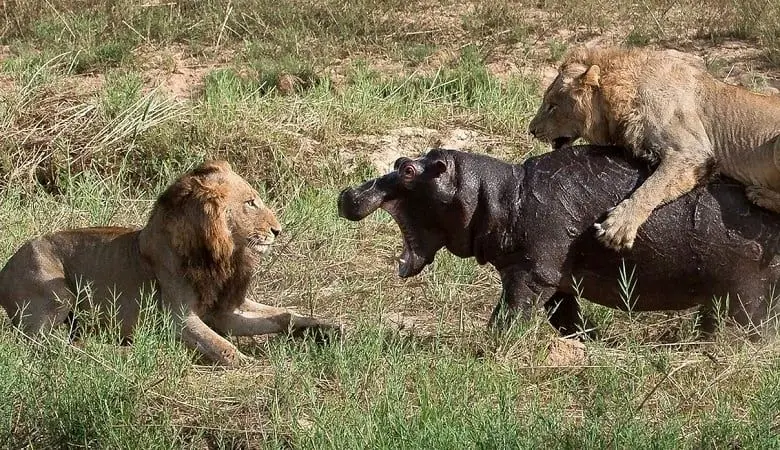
(176, 73)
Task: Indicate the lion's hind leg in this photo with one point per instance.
(38, 305)
(33, 289)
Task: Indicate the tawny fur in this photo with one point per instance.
(197, 253)
(664, 107)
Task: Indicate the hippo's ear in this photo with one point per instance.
(438, 167)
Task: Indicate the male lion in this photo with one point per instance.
(668, 111)
(197, 252)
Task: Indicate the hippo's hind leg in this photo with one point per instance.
(752, 310)
(565, 315)
(755, 314)
(707, 321)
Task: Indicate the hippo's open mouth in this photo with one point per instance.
(562, 142)
(355, 204)
(411, 261)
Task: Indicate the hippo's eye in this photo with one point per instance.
(408, 171)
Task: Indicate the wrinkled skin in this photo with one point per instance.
(533, 222)
(197, 254)
(668, 110)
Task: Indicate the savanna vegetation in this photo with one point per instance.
(103, 103)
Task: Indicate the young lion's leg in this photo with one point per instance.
(761, 195)
(254, 318)
(33, 289)
(676, 175)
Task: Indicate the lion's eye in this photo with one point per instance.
(254, 204)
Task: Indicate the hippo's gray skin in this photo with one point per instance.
(533, 222)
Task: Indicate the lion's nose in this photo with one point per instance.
(276, 231)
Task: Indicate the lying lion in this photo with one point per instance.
(668, 111)
(204, 238)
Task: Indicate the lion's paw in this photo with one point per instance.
(764, 197)
(234, 359)
(618, 231)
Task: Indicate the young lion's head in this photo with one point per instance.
(570, 107)
(217, 227)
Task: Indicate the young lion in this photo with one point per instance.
(197, 253)
(671, 112)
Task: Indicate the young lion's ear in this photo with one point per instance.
(591, 76)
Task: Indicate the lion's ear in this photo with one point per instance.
(217, 166)
(591, 76)
(572, 73)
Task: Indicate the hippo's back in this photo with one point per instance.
(711, 242)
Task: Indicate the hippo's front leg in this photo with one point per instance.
(521, 292)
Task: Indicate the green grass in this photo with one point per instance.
(381, 389)
(91, 134)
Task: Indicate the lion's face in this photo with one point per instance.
(212, 227)
(213, 215)
(252, 224)
(567, 111)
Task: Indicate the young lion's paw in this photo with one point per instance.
(619, 229)
(764, 197)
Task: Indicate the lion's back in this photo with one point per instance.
(101, 262)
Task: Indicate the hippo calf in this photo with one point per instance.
(533, 223)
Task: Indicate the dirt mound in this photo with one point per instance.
(565, 352)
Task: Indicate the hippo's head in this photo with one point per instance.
(419, 195)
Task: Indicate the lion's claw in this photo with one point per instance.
(619, 229)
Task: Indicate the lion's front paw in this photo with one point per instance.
(619, 229)
(764, 197)
(234, 359)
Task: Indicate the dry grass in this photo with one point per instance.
(304, 98)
